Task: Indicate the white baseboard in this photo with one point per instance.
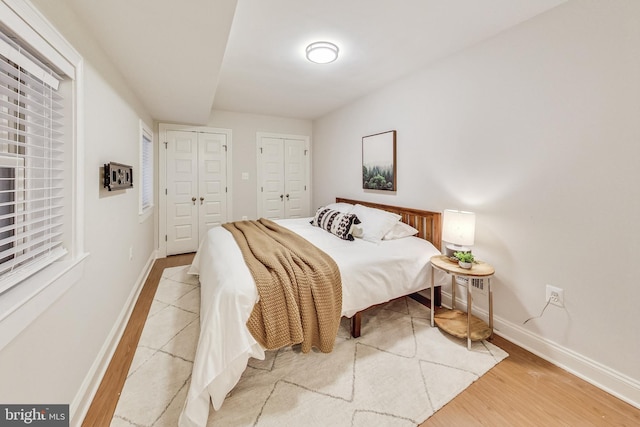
(601, 376)
(81, 403)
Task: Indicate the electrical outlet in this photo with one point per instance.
(555, 295)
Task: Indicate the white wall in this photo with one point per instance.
(51, 360)
(244, 127)
(536, 130)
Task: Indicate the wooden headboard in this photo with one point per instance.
(428, 224)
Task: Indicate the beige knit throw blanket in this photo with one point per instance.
(299, 286)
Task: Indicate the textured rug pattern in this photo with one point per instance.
(157, 381)
(398, 373)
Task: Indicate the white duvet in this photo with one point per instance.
(371, 273)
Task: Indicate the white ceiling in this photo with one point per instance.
(177, 55)
(169, 51)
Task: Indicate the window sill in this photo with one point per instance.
(146, 214)
(22, 304)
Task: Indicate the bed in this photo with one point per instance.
(375, 268)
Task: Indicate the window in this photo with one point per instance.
(31, 165)
(146, 171)
(29, 151)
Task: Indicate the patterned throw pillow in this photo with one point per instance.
(335, 222)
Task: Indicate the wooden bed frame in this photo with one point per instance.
(429, 226)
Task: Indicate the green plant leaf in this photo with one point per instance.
(464, 256)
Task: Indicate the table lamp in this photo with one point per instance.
(458, 230)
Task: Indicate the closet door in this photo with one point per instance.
(283, 164)
(212, 181)
(182, 188)
(295, 184)
(195, 187)
(272, 160)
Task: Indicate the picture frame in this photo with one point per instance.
(379, 161)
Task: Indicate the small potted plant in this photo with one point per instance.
(465, 259)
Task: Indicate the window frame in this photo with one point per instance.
(32, 145)
(144, 212)
(25, 302)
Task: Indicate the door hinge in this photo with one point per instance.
(305, 188)
(262, 189)
(165, 237)
(225, 189)
(260, 150)
(225, 148)
(165, 192)
(305, 152)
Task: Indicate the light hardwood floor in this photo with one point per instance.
(104, 403)
(522, 390)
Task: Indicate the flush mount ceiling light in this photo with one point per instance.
(322, 52)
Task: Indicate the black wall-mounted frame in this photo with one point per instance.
(118, 176)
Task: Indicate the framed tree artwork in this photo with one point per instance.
(379, 161)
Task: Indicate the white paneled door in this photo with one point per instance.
(196, 183)
(295, 184)
(182, 188)
(212, 181)
(283, 166)
(272, 159)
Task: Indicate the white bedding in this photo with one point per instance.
(371, 273)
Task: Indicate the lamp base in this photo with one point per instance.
(451, 248)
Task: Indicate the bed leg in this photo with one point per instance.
(437, 298)
(356, 322)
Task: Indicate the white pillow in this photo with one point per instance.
(400, 230)
(375, 223)
(340, 207)
(356, 231)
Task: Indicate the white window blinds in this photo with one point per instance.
(146, 171)
(31, 165)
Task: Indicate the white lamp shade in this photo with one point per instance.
(459, 227)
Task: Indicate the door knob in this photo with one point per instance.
(281, 197)
(193, 199)
(201, 200)
(287, 197)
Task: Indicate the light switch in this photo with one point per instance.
(245, 176)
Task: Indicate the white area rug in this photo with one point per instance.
(398, 373)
